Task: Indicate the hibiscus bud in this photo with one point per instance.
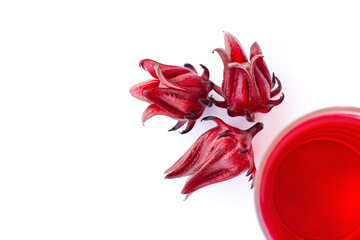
(176, 92)
(219, 154)
(248, 86)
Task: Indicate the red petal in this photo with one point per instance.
(178, 103)
(223, 163)
(238, 90)
(163, 79)
(234, 48)
(259, 63)
(225, 57)
(255, 50)
(253, 95)
(192, 84)
(137, 90)
(261, 77)
(187, 82)
(153, 110)
(174, 72)
(148, 65)
(168, 70)
(195, 156)
(185, 165)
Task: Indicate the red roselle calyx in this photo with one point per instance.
(177, 92)
(248, 86)
(219, 154)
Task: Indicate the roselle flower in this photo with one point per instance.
(248, 86)
(219, 154)
(176, 92)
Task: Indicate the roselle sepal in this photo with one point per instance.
(247, 87)
(176, 92)
(219, 154)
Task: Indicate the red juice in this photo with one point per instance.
(309, 184)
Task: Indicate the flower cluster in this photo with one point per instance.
(179, 92)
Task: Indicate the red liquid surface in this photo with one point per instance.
(310, 185)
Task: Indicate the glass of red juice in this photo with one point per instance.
(308, 186)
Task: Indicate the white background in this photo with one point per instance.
(75, 160)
